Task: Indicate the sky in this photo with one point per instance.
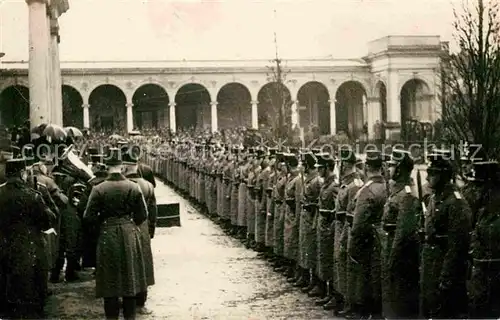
(104, 30)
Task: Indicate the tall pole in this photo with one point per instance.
(279, 86)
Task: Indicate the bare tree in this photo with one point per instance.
(471, 78)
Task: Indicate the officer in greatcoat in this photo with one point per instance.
(23, 267)
(399, 240)
(307, 233)
(324, 234)
(293, 195)
(350, 182)
(118, 206)
(250, 209)
(364, 249)
(270, 205)
(130, 166)
(261, 203)
(485, 247)
(242, 195)
(444, 255)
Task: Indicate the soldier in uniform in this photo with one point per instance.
(23, 268)
(485, 283)
(261, 203)
(118, 205)
(235, 183)
(250, 210)
(364, 248)
(398, 235)
(444, 256)
(130, 158)
(242, 196)
(270, 205)
(293, 194)
(279, 211)
(307, 233)
(350, 182)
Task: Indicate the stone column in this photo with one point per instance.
(50, 75)
(38, 62)
(213, 115)
(373, 113)
(86, 115)
(393, 105)
(57, 106)
(171, 117)
(295, 114)
(130, 117)
(333, 117)
(255, 114)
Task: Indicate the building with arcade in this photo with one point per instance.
(397, 80)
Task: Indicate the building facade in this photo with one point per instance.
(398, 80)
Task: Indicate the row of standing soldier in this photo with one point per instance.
(41, 228)
(364, 245)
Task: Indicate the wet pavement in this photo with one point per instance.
(201, 273)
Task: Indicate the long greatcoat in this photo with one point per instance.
(350, 184)
(234, 194)
(23, 267)
(279, 214)
(364, 248)
(148, 226)
(226, 189)
(270, 206)
(250, 210)
(242, 196)
(398, 236)
(443, 292)
(293, 194)
(261, 205)
(324, 231)
(119, 204)
(485, 282)
(307, 230)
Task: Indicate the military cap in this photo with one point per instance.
(440, 160)
(251, 150)
(316, 150)
(14, 166)
(114, 157)
(291, 160)
(347, 155)
(374, 158)
(484, 171)
(309, 159)
(280, 157)
(293, 150)
(92, 150)
(28, 153)
(272, 152)
(324, 159)
(402, 158)
(16, 151)
(97, 158)
(260, 153)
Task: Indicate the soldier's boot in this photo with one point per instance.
(55, 273)
(303, 279)
(260, 248)
(71, 273)
(335, 303)
(312, 283)
(355, 312)
(269, 254)
(319, 291)
(290, 271)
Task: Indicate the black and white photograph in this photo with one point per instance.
(249, 159)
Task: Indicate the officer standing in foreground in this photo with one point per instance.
(23, 268)
(130, 157)
(117, 204)
(398, 235)
(364, 248)
(485, 282)
(444, 257)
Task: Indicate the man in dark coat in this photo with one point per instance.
(364, 250)
(117, 204)
(485, 282)
(23, 267)
(147, 227)
(398, 235)
(444, 255)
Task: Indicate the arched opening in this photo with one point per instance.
(192, 109)
(314, 108)
(350, 109)
(72, 107)
(14, 106)
(234, 108)
(272, 97)
(415, 107)
(381, 94)
(150, 107)
(108, 109)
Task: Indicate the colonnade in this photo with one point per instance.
(44, 75)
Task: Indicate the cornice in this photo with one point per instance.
(402, 53)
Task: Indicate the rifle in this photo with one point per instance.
(421, 230)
